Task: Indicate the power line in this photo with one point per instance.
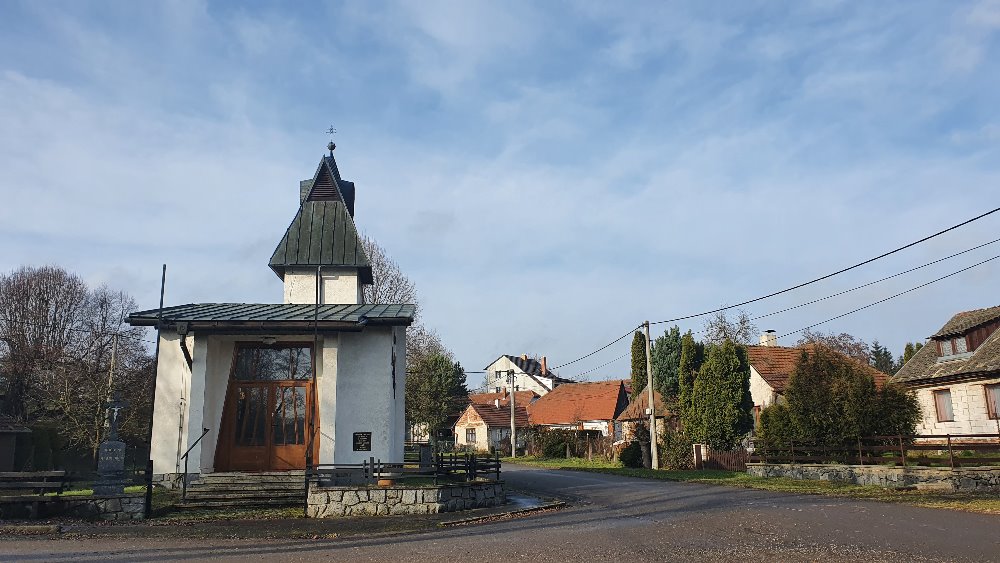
(892, 296)
(830, 275)
(612, 343)
(839, 293)
(623, 356)
(86, 330)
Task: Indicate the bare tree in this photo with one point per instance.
(843, 343)
(741, 330)
(57, 339)
(389, 285)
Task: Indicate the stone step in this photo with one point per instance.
(241, 503)
(245, 495)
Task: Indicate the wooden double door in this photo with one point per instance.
(269, 401)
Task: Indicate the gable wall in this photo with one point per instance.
(522, 381)
(760, 390)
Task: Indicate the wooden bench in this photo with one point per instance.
(32, 488)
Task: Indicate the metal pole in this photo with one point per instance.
(654, 454)
(513, 429)
(156, 360)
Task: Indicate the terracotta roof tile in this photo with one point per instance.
(500, 417)
(775, 364)
(574, 402)
(520, 398)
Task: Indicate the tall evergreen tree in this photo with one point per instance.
(691, 358)
(721, 399)
(638, 363)
(435, 390)
(881, 359)
(909, 351)
(666, 361)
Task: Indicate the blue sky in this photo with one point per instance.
(548, 174)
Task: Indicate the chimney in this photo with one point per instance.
(496, 403)
(545, 367)
(524, 357)
(769, 338)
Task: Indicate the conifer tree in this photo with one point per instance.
(666, 359)
(638, 363)
(721, 401)
(881, 359)
(691, 358)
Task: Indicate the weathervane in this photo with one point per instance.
(331, 145)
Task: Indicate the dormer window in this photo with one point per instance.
(951, 347)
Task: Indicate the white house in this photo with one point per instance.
(317, 378)
(956, 376)
(529, 375)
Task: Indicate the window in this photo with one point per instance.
(942, 404)
(993, 400)
(959, 345)
(280, 362)
(470, 435)
(945, 346)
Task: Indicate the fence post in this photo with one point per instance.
(148, 509)
(861, 455)
(791, 451)
(497, 460)
(951, 455)
(902, 450)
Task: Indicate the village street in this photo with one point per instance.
(610, 518)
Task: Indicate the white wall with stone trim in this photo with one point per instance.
(968, 407)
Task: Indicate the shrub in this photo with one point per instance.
(631, 456)
(675, 450)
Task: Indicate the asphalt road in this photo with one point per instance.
(609, 519)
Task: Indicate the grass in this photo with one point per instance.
(988, 503)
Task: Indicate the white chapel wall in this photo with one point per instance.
(340, 286)
(172, 391)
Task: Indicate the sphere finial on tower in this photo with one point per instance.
(331, 145)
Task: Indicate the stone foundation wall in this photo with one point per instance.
(334, 502)
(958, 479)
(125, 507)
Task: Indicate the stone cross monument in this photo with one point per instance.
(111, 455)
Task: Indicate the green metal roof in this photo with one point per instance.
(275, 315)
(323, 232)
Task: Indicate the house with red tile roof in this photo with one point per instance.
(487, 427)
(771, 366)
(956, 375)
(635, 414)
(581, 406)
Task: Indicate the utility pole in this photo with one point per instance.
(653, 453)
(513, 429)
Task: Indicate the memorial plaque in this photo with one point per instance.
(110, 469)
(362, 441)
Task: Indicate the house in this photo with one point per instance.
(581, 406)
(529, 374)
(636, 413)
(270, 386)
(487, 427)
(956, 376)
(771, 366)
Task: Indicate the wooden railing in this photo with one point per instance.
(467, 467)
(952, 450)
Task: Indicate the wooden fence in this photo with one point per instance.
(951, 450)
(732, 460)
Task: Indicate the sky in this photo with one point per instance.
(548, 174)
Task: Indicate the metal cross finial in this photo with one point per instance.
(331, 145)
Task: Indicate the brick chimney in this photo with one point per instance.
(769, 338)
(545, 367)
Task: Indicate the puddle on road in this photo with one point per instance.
(523, 502)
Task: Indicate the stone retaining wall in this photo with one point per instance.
(958, 479)
(334, 502)
(125, 507)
